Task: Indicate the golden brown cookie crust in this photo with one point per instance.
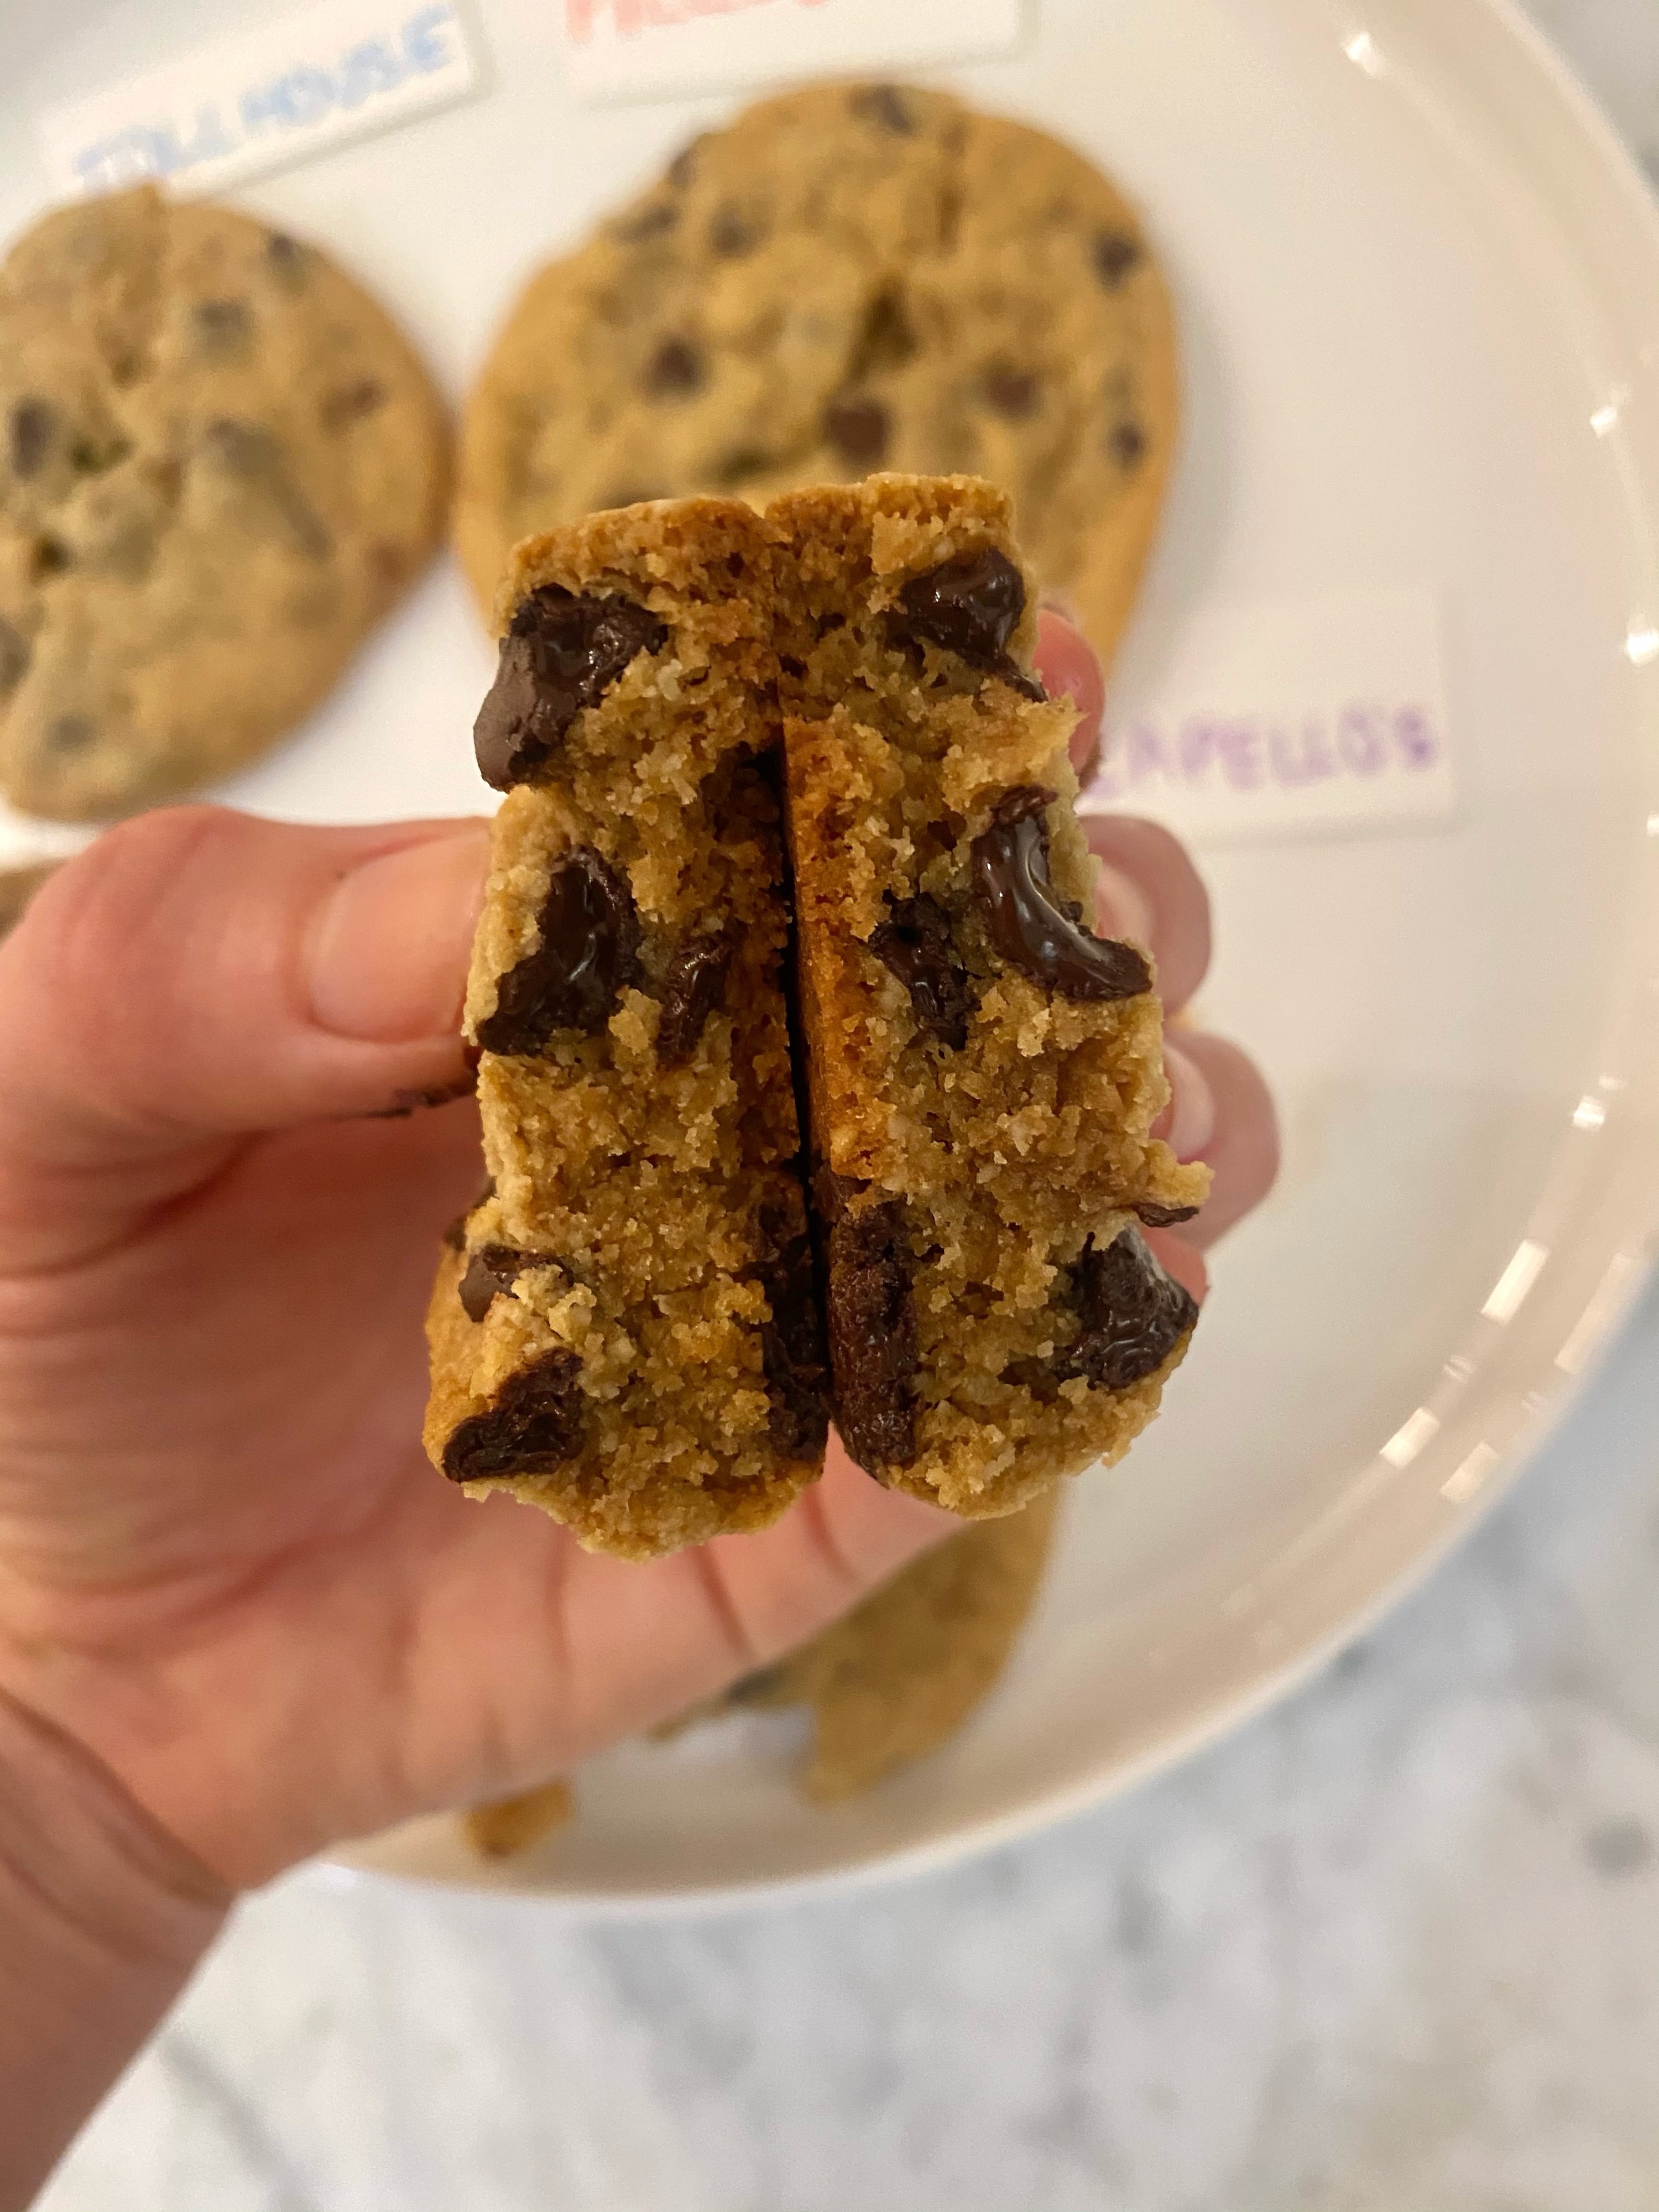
(220, 465)
(846, 278)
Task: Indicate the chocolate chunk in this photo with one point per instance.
(1116, 253)
(1131, 1316)
(287, 259)
(1027, 923)
(917, 945)
(970, 607)
(587, 953)
(69, 734)
(34, 429)
(692, 989)
(792, 1341)
(675, 371)
(14, 657)
(221, 326)
(1011, 391)
(872, 1335)
(734, 232)
(1126, 443)
(91, 455)
(655, 220)
(886, 106)
(858, 430)
(352, 402)
(561, 654)
(534, 1426)
(254, 455)
(683, 167)
(491, 1269)
(1164, 1217)
(48, 556)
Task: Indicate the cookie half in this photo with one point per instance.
(627, 1333)
(848, 278)
(220, 464)
(984, 1071)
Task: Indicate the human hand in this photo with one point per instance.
(225, 1566)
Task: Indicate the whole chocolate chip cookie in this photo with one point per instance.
(849, 279)
(220, 464)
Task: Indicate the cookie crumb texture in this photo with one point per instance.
(508, 1826)
(896, 1678)
(627, 1335)
(849, 279)
(985, 1071)
(220, 464)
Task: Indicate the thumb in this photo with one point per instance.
(198, 977)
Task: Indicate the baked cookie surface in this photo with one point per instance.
(985, 1072)
(848, 278)
(626, 1333)
(220, 464)
(18, 887)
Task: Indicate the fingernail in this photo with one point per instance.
(1187, 1122)
(1122, 908)
(389, 949)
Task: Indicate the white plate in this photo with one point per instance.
(1420, 291)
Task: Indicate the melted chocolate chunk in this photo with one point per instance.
(48, 556)
(792, 1341)
(873, 1334)
(1126, 443)
(70, 733)
(534, 1426)
(1116, 253)
(858, 430)
(1130, 1317)
(254, 455)
(587, 952)
(970, 607)
(1028, 924)
(675, 371)
(1164, 1217)
(692, 988)
(561, 654)
(885, 106)
(1012, 391)
(917, 945)
(33, 430)
(492, 1269)
(15, 658)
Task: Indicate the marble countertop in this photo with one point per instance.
(1394, 1947)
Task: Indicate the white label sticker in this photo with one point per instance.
(620, 50)
(1291, 718)
(297, 86)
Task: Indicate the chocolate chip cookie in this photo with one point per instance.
(848, 279)
(220, 464)
(901, 1674)
(984, 1071)
(626, 1332)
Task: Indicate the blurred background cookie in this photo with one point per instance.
(848, 278)
(220, 464)
(18, 887)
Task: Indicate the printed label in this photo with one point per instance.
(295, 87)
(1291, 718)
(621, 50)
